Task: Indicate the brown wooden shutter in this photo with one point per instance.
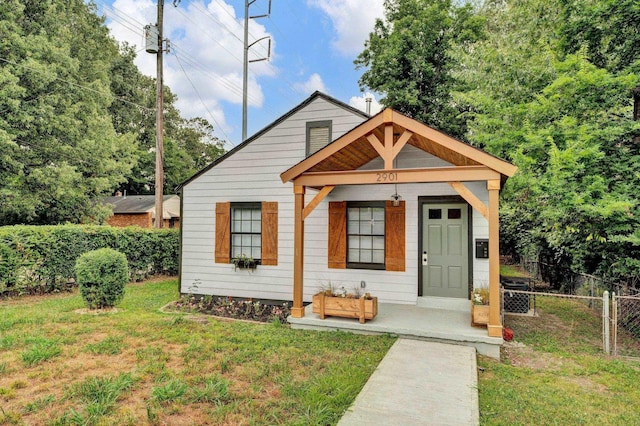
(269, 233)
(394, 236)
(223, 235)
(337, 234)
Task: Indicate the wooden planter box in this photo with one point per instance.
(479, 314)
(361, 308)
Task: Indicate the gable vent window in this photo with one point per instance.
(318, 135)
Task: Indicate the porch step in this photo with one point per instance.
(447, 303)
(452, 326)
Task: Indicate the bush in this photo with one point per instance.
(102, 275)
(41, 259)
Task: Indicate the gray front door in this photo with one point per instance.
(445, 251)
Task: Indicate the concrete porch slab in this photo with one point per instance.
(452, 326)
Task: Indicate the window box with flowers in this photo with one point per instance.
(346, 305)
(480, 306)
(244, 262)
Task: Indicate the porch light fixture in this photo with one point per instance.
(395, 198)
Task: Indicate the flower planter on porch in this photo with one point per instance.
(361, 308)
(479, 315)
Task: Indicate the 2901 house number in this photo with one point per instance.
(387, 177)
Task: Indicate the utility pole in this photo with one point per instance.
(159, 187)
(246, 61)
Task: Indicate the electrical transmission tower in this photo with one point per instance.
(247, 46)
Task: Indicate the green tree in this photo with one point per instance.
(607, 30)
(64, 152)
(408, 59)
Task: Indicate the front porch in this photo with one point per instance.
(444, 321)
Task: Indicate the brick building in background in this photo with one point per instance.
(139, 210)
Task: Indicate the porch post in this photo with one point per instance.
(495, 326)
(297, 311)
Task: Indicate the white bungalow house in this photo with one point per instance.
(327, 194)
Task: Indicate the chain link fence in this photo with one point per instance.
(582, 319)
(626, 325)
(596, 319)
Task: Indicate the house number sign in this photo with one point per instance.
(387, 177)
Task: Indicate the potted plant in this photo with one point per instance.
(244, 262)
(480, 306)
(339, 303)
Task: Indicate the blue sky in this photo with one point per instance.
(314, 43)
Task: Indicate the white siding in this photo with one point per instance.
(253, 174)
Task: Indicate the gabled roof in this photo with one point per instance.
(354, 149)
(315, 95)
(133, 204)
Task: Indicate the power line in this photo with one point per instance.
(203, 103)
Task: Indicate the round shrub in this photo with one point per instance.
(102, 275)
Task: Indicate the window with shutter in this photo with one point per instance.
(367, 235)
(318, 135)
(247, 229)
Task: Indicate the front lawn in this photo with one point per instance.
(141, 366)
(555, 373)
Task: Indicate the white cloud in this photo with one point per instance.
(360, 102)
(352, 20)
(311, 85)
(206, 52)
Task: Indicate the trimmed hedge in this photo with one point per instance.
(102, 275)
(41, 259)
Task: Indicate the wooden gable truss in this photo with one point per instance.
(384, 136)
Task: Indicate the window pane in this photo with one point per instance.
(246, 226)
(353, 213)
(365, 256)
(378, 228)
(256, 214)
(454, 213)
(354, 242)
(353, 227)
(246, 214)
(354, 255)
(235, 226)
(246, 240)
(365, 228)
(256, 226)
(378, 243)
(365, 213)
(378, 256)
(256, 253)
(366, 242)
(378, 213)
(256, 240)
(237, 214)
(435, 214)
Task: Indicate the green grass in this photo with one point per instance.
(59, 366)
(111, 345)
(557, 374)
(512, 271)
(39, 351)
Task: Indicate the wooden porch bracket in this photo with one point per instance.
(470, 198)
(317, 200)
(494, 327)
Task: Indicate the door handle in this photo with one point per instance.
(425, 259)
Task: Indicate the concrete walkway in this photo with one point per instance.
(419, 383)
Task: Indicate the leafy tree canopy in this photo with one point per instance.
(407, 59)
(78, 118)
